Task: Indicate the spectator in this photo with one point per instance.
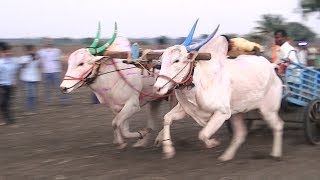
(134, 53)
(286, 51)
(8, 72)
(51, 68)
(30, 75)
(303, 53)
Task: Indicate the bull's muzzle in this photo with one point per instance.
(63, 89)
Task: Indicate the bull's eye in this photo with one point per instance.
(81, 64)
(176, 61)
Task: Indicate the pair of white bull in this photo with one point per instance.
(222, 89)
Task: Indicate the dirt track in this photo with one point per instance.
(75, 142)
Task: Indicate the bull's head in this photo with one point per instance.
(81, 63)
(177, 61)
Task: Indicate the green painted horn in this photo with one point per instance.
(96, 39)
(105, 46)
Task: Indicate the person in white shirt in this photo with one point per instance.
(288, 54)
(8, 72)
(286, 51)
(51, 68)
(31, 76)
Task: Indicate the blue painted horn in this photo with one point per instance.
(196, 47)
(188, 39)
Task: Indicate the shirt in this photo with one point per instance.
(286, 51)
(8, 71)
(135, 50)
(30, 72)
(50, 60)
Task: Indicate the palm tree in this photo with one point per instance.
(269, 23)
(298, 31)
(310, 6)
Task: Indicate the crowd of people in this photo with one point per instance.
(33, 67)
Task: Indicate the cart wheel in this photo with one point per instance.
(312, 122)
(248, 123)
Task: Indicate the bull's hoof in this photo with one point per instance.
(212, 143)
(168, 155)
(276, 157)
(168, 152)
(142, 142)
(225, 157)
(157, 143)
(122, 146)
(158, 140)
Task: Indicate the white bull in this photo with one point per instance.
(221, 89)
(115, 84)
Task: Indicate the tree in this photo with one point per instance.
(298, 31)
(310, 6)
(269, 23)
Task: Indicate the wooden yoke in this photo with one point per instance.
(150, 56)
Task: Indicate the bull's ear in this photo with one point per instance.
(96, 58)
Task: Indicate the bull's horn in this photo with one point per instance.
(196, 47)
(96, 39)
(106, 45)
(188, 39)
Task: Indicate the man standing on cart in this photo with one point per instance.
(286, 51)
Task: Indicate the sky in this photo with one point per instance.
(140, 18)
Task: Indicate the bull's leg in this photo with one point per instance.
(212, 126)
(173, 101)
(239, 135)
(152, 112)
(175, 114)
(159, 139)
(119, 124)
(269, 110)
(132, 106)
(276, 124)
(117, 136)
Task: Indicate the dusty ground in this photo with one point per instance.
(75, 142)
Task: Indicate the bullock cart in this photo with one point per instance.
(302, 90)
(301, 93)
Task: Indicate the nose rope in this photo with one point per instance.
(66, 88)
(187, 78)
(81, 78)
(172, 79)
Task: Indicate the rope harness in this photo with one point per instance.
(187, 81)
(90, 75)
